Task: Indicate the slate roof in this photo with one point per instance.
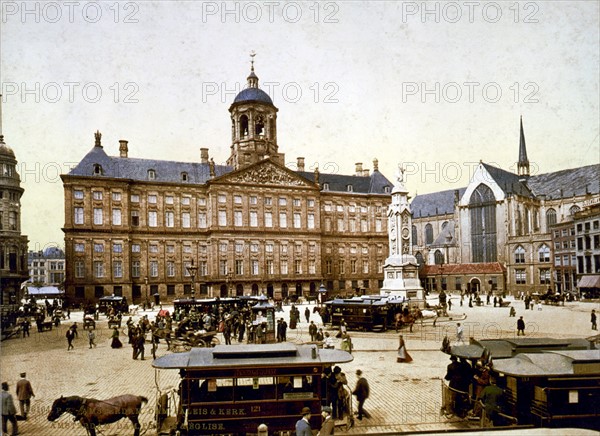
(509, 182)
(436, 203)
(567, 183)
(375, 183)
(137, 169)
(199, 173)
(555, 185)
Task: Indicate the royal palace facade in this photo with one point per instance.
(142, 228)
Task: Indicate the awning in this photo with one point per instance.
(44, 290)
(589, 282)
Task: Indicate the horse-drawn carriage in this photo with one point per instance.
(194, 339)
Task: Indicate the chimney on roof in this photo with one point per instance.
(358, 168)
(456, 196)
(204, 155)
(375, 165)
(300, 164)
(123, 149)
(366, 172)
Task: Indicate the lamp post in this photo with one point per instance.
(192, 269)
(147, 291)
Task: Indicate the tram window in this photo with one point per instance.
(257, 388)
(539, 394)
(297, 387)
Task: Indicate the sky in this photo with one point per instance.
(436, 86)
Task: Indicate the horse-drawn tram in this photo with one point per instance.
(232, 389)
(541, 382)
(370, 313)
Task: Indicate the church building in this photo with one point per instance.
(502, 233)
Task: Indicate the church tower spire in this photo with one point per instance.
(253, 125)
(523, 164)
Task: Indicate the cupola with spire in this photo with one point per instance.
(253, 125)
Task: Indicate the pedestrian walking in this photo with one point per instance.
(307, 314)
(70, 335)
(312, 331)
(361, 391)
(24, 395)
(303, 424)
(459, 334)
(91, 337)
(539, 305)
(115, 342)
(328, 426)
(449, 304)
(593, 320)
(520, 327)
(347, 343)
(513, 312)
(9, 411)
(25, 326)
(403, 356)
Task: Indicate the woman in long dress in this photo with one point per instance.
(116, 343)
(403, 356)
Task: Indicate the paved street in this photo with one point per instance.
(404, 397)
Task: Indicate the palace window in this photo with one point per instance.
(116, 217)
(98, 218)
(550, 217)
(152, 218)
(520, 276)
(117, 269)
(78, 194)
(79, 269)
(78, 215)
(185, 220)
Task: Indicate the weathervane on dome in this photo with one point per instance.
(252, 54)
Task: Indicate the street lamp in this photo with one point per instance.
(147, 291)
(192, 269)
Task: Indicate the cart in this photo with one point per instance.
(194, 339)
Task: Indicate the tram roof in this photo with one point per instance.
(506, 348)
(363, 301)
(551, 363)
(243, 356)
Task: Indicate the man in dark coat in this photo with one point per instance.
(492, 399)
(520, 327)
(307, 314)
(362, 393)
(312, 330)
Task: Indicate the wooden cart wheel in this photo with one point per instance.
(214, 341)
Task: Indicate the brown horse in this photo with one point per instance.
(91, 412)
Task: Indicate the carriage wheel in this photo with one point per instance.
(201, 343)
(214, 341)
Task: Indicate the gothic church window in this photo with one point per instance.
(438, 257)
(482, 205)
(243, 126)
(414, 235)
(519, 254)
(544, 253)
(573, 210)
(550, 217)
(428, 234)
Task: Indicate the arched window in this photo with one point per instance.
(420, 260)
(544, 253)
(349, 188)
(184, 177)
(98, 170)
(574, 209)
(414, 236)
(386, 189)
(151, 174)
(428, 234)
(526, 221)
(243, 126)
(550, 217)
(482, 205)
(519, 254)
(325, 186)
(259, 126)
(438, 257)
